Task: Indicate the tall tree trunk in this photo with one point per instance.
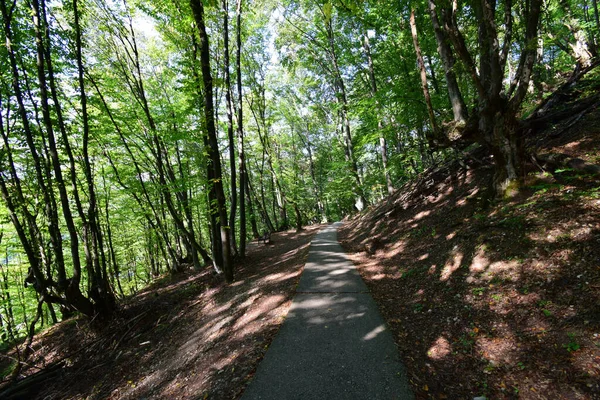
(73, 293)
(240, 127)
(111, 250)
(217, 253)
(311, 167)
(497, 126)
(229, 108)
(213, 149)
(153, 219)
(459, 109)
(597, 19)
(105, 300)
(432, 136)
(187, 209)
(253, 225)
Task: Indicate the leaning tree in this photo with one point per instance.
(507, 32)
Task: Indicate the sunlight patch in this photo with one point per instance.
(498, 350)
(263, 307)
(396, 249)
(451, 266)
(373, 334)
(280, 277)
(421, 215)
(503, 266)
(480, 262)
(440, 349)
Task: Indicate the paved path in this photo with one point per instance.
(334, 343)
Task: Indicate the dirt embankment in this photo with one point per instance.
(492, 299)
(188, 336)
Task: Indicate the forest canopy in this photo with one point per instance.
(145, 137)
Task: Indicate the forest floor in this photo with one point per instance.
(187, 336)
(495, 299)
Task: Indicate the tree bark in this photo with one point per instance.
(252, 218)
(213, 148)
(459, 109)
(240, 127)
(431, 137)
(229, 110)
(105, 300)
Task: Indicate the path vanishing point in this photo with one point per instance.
(334, 344)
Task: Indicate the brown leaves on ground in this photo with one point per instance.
(188, 336)
(498, 300)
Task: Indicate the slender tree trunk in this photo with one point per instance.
(213, 149)
(156, 223)
(596, 18)
(111, 250)
(217, 254)
(229, 108)
(240, 121)
(73, 292)
(252, 218)
(43, 32)
(105, 300)
(434, 127)
(185, 202)
(459, 108)
(26, 227)
(311, 168)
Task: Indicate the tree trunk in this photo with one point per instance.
(311, 166)
(597, 20)
(73, 293)
(459, 109)
(298, 218)
(240, 120)
(229, 108)
(431, 137)
(111, 250)
(252, 218)
(213, 148)
(497, 126)
(105, 301)
(503, 138)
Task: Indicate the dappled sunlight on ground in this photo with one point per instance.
(451, 265)
(188, 336)
(373, 334)
(440, 349)
(496, 299)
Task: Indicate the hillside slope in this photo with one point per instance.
(495, 299)
(188, 336)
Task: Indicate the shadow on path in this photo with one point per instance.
(334, 343)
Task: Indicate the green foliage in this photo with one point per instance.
(307, 76)
(572, 345)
